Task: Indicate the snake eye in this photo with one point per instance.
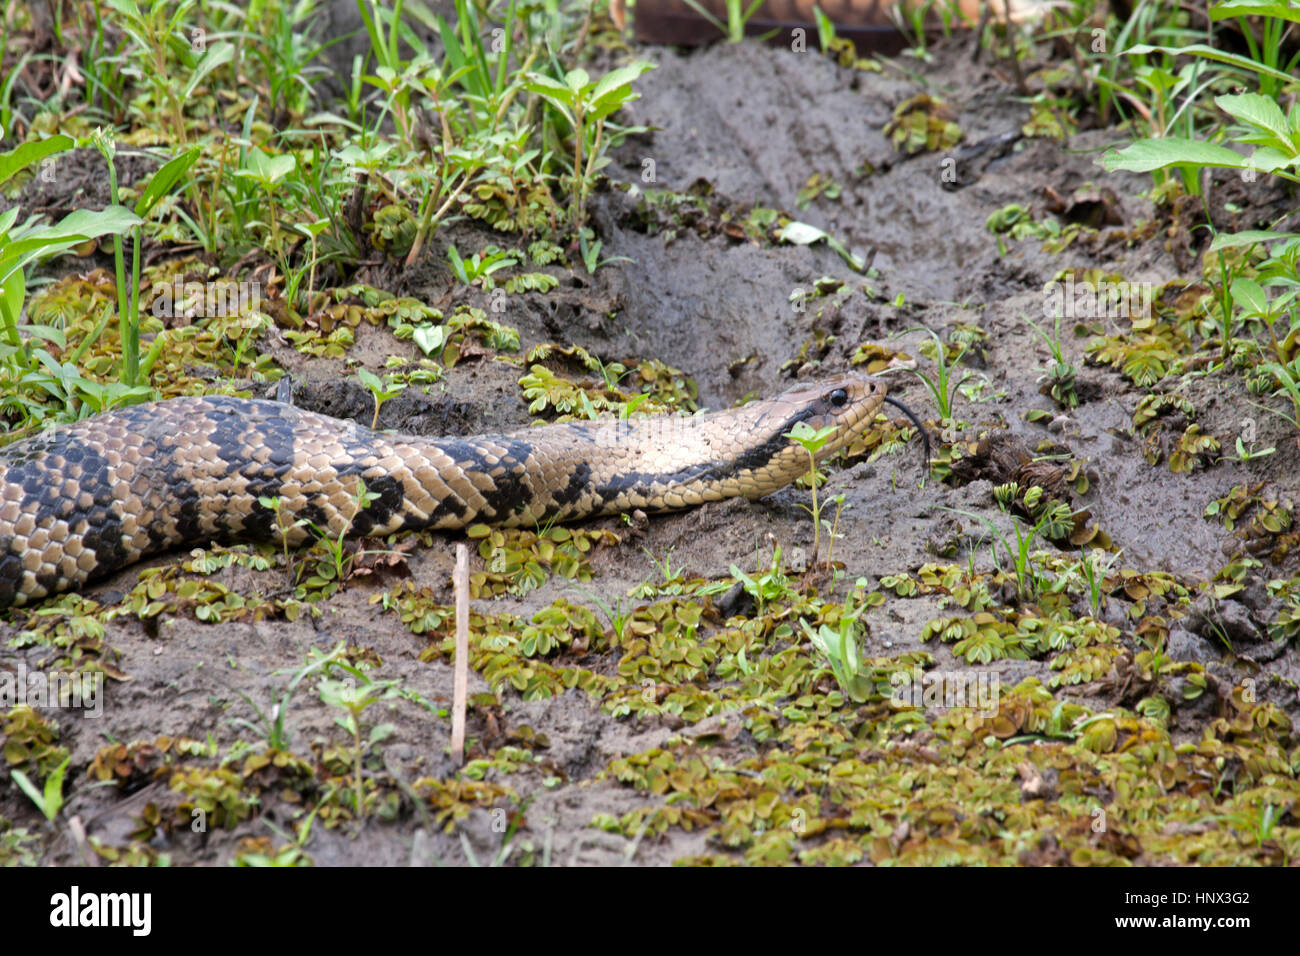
(839, 398)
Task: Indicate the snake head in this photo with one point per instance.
(770, 458)
(848, 403)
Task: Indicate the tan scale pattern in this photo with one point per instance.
(79, 502)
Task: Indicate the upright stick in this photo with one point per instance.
(460, 583)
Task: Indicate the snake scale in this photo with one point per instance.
(82, 501)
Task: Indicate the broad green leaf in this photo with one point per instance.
(353, 155)
(1253, 8)
(27, 226)
(161, 183)
(26, 786)
(611, 104)
(64, 373)
(22, 156)
(538, 83)
(1232, 240)
(218, 54)
(13, 292)
(74, 228)
(1249, 296)
(620, 77)
(430, 338)
(1148, 154)
(1266, 159)
(456, 57)
(558, 95)
(1159, 79)
(47, 333)
(825, 28)
(577, 80)
(281, 166)
(1210, 53)
(1263, 113)
(1287, 249)
(310, 229)
(268, 169)
(127, 8)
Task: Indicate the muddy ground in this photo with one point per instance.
(745, 125)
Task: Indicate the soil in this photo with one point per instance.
(745, 125)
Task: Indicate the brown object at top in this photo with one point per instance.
(870, 24)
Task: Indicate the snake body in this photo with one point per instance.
(82, 501)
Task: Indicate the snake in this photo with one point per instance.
(79, 502)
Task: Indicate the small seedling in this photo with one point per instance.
(335, 572)
(943, 386)
(1094, 570)
(276, 505)
(617, 615)
(353, 694)
(1059, 376)
(1288, 380)
(765, 586)
(271, 726)
(738, 16)
(832, 532)
(839, 645)
(813, 440)
(1245, 454)
(1028, 584)
(50, 800)
(480, 266)
(591, 253)
(382, 392)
